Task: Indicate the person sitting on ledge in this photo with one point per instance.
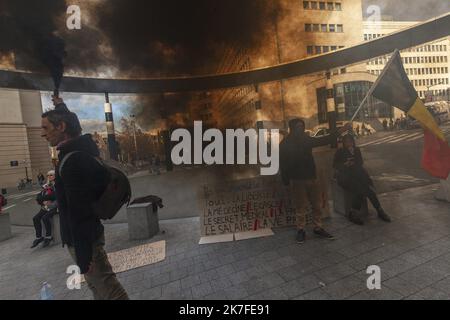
(47, 200)
(352, 177)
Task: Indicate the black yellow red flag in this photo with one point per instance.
(394, 87)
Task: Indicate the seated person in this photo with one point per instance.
(352, 177)
(47, 200)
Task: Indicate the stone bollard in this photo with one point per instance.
(56, 231)
(342, 202)
(443, 193)
(5, 226)
(143, 221)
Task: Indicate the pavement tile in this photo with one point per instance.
(401, 286)
(317, 294)
(202, 290)
(423, 276)
(429, 294)
(300, 286)
(334, 273)
(236, 292)
(345, 288)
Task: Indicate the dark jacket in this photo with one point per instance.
(81, 182)
(296, 159)
(47, 194)
(354, 178)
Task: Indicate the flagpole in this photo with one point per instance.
(374, 85)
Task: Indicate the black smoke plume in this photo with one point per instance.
(142, 38)
(181, 37)
(28, 29)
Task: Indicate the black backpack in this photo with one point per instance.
(116, 194)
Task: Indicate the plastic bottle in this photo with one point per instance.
(46, 293)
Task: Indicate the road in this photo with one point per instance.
(393, 158)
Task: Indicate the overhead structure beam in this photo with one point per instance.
(428, 31)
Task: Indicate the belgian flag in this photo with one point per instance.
(394, 87)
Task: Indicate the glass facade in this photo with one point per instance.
(347, 97)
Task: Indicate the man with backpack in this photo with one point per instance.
(80, 181)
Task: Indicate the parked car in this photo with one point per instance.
(320, 132)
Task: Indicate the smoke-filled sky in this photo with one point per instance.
(409, 10)
(153, 37)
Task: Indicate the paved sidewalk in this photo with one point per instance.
(413, 253)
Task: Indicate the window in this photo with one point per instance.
(318, 49)
(337, 6)
(314, 5)
(330, 6)
(322, 5)
(306, 5)
(316, 27)
(343, 70)
(323, 28)
(326, 49)
(365, 37)
(308, 27)
(332, 28)
(309, 50)
(340, 47)
(333, 48)
(339, 28)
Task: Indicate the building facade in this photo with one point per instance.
(23, 152)
(427, 65)
(301, 29)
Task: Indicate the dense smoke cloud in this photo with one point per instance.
(29, 29)
(143, 38)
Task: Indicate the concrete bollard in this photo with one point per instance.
(443, 193)
(5, 226)
(143, 222)
(342, 202)
(56, 230)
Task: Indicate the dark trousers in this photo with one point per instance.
(101, 279)
(368, 193)
(46, 217)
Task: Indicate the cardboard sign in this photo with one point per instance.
(251, 204)
(136, 257)
(245, 205)
(139, 256)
